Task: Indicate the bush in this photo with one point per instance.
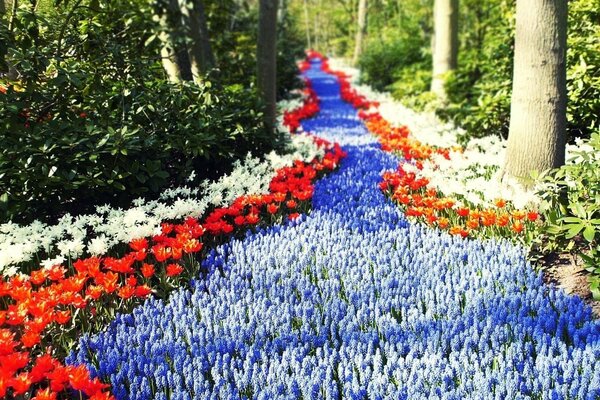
(480, 89)
(383, 61)
(412, 86)
(78, 156)
(91, 118)
(572, 209)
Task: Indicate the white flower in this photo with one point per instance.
(50, 262)
(98, 246)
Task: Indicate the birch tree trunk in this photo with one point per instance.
(307, 23)
(360, 31)
(536, 139)
(199, 49)
(167, 52)
(445, 43)
(267, 58)
(282, 13)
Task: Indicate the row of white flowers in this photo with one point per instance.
(475, 173)
(95, 234)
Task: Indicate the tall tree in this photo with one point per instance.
(199, 49)
(360, 31)
(536, 139)
(445, 43)
(307, 23)
(266, 56)
(282, 13)
(170, 20)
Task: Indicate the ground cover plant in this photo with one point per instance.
(354, 301)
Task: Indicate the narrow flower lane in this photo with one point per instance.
(352, 301)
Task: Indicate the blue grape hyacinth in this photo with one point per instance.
(354, 302)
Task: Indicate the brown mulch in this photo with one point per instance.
(566, 272)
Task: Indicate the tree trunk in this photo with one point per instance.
(307, 23)
(360, 31)
(445, 43)
(199, 49)
(536, 139)
(170, 35)
(266, 56)
(282, 13)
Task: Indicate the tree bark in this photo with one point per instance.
(536, 139)
(282, 13)
(199, 49)
(360, 31)
(170, 35)
(445, 43)
(267, 58)
(307, 23)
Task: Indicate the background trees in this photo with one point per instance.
(361, 30)
(266, 58)
(93, 117)
(397, 57)
(445, 43)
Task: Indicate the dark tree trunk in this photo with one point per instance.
(199, 49)
(267, 58)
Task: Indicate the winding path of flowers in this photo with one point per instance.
(353, 301)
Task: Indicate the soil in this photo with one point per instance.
(566, 272)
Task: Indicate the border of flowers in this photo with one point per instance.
(51, 304)
(423, 202)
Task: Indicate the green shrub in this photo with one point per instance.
(383, 61)
(412, 85)
(480, 89)
(92, 119)
(583, 73)
(571, 205)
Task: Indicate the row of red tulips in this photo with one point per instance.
(43, 314)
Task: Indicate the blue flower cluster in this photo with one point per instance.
(354, 302)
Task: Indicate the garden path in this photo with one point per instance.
(353, 301)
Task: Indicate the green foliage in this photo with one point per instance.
(412, 85)
(92, 119)
(571, 205)
(398, 55)
(583, 73)
(480, 88)
(290, 47)
(383, 61)
(233, 31)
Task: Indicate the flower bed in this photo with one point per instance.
(22, 248)
(352, 301)
(43, 312)
(410, 186)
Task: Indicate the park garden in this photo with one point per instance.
(299, 199)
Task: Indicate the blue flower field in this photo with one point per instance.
(354, 302)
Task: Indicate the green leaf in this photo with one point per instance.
(588, 233)
(571, 219)
(573, 230)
